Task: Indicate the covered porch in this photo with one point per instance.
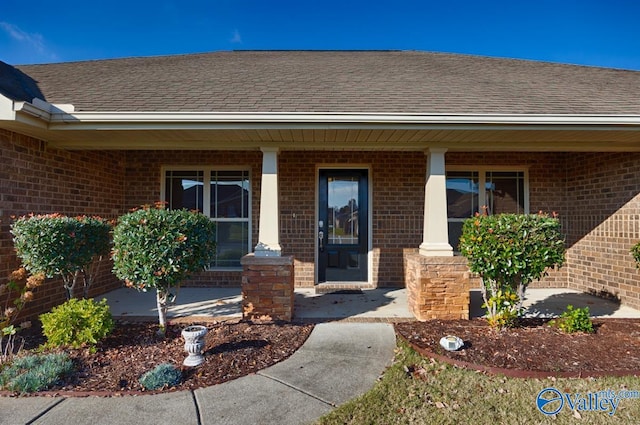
(583, 167)
(372, 305)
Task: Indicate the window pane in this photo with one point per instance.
(232, 243)
(505, 192)
(462, 194)
(183, 189)
(343, 210)
(230, 194)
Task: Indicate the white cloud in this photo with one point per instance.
(236, 37)
(33, 41)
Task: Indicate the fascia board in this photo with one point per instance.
(141, 121)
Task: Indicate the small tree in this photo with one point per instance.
(57, 245)
(158, 248)
(509, 251)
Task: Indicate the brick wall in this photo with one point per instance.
(35, 178)
(604, 191)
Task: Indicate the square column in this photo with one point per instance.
(435, 240)
(267, 288)
(438, 287)
(269, 225)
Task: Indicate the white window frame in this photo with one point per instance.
(206, 198)
(482, 181)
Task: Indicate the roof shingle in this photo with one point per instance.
(330, 81)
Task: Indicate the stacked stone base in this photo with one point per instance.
(267, 288)
(437, 287)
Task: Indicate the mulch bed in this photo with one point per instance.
(534, 349)
(233, 349)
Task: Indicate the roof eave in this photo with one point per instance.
(325, 120)
(42, 114)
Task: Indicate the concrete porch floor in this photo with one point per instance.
(372, 305)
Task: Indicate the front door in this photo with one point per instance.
(343, 225)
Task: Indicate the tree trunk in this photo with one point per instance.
(161, 298)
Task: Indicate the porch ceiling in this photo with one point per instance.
(372, 137)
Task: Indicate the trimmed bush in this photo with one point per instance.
(57, 245)
(509, 251)
(159, 248)
(164, 375)
(77, 322)
(574, 320)
(34, 373)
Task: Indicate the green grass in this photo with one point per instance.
(437, 393)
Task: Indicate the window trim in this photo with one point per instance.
(206, 198)
(482, 180)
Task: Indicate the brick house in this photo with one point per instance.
(357, 167)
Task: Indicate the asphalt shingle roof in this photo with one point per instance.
(328, 81)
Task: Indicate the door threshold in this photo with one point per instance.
(342, 287)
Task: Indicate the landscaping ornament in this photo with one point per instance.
(193, 344)
(451, 343)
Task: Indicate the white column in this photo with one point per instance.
(269, 230)
(435, 239)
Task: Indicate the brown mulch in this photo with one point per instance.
(232, 349)
(534, 346)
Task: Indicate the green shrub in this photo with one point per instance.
(158, 248)
(504, 308)
(574, 320)
(635, 251)
(35, 372)
(164, 375)
(77, 322)
(57, 245)
(509, 251)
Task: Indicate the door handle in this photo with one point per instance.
(321, 240)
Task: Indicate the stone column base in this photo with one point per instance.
(267, 288)
(437, 287)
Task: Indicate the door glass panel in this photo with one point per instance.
(343, 210)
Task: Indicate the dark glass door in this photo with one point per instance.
(342, 226)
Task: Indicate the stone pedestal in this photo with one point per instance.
(267, 288)
(437, 287)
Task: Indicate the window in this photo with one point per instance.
(223, 195)
(505, 191)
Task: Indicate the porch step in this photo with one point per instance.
(342, 287)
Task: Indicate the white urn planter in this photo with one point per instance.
(193, 344)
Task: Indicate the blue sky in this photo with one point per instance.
(588, 32)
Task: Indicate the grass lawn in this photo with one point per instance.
(417, 390)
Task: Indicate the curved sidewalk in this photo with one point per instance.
(338, 362)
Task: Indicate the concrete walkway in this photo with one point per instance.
(372, 305)
(339, 361)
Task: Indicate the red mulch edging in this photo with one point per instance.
(534, 350)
